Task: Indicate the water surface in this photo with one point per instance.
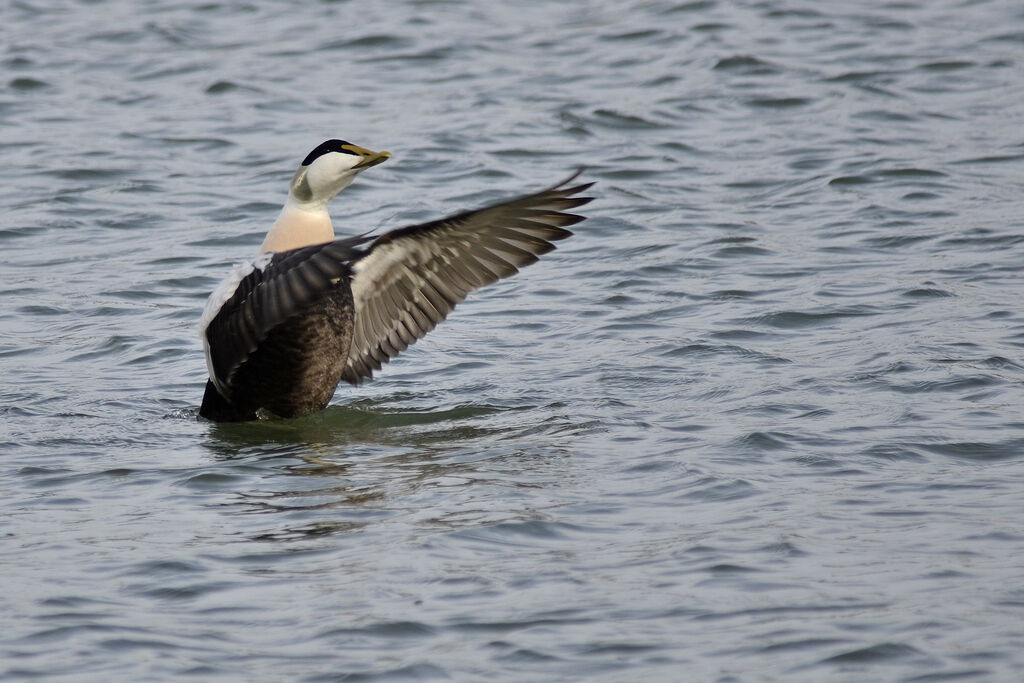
(759, 420)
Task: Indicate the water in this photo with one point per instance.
(759, 420)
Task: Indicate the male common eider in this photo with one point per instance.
(282, 331)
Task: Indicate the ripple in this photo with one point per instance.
(910, 173)
(779, 102)
(794, 320)
(381, 40)
(981, 451)
(875, 653)
(182, 592)
(386, 629)
(523, 655)
(951, 384)
(609, 117)
(927, 293)
(745, 64)
(802, 644)
(521, 533)
(850, 180)
(764, 441)
(643, 36)
(714, 349)
(64, 633)
(948, 65)
(221, 87)
(709, 489)
(545, 618)
(26, 84)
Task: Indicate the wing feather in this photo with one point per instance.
(410, 279)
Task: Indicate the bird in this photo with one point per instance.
(280, 332)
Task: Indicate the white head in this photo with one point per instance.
(328, 169)
(325, 172)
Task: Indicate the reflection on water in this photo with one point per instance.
(360, 422)
(359, 460)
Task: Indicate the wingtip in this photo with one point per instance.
(576, 174)
(565, 191)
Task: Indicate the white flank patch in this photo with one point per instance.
(224, 291)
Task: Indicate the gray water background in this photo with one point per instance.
(761, 419)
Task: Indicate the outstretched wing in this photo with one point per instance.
(410, 279)
(258, 296)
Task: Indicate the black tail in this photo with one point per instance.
(217, 408)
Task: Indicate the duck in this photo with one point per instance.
(282, 331)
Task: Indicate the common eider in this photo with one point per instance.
(282, 331)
